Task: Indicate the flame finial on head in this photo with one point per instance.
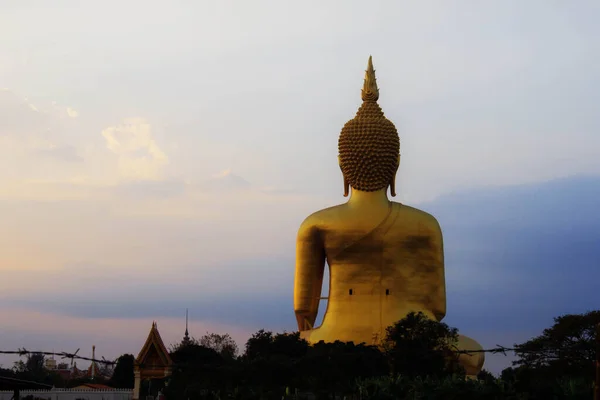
(370, 91)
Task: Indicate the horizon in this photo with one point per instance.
(145, 164)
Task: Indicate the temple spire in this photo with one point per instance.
(370, 91)
(93, 362)
(186, 337)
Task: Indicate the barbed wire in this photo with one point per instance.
(73, 356)
(63, 355)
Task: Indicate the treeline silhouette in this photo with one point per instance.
(417, 361)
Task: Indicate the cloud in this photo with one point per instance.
(224, 181)
(64, 153)
(223, 174)
(38, 142)
(43, 143)
(142, 226)
(72, 113)
(144, 189)
(140, 157)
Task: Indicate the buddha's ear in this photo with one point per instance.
(346, 187)
(393, 182)
(346, 184)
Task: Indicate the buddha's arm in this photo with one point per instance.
(438, 306)
(310, 265)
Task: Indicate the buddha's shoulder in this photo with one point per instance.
(323, 217)
(329, 215)
(416, 212)
(422, 217)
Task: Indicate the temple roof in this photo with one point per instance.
(154, 343)
(96, 369)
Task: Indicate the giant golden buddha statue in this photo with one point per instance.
(385, 259)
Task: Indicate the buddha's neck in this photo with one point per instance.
(359, 198)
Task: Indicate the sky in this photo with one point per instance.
(158, 156)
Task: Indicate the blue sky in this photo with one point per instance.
(158, 156)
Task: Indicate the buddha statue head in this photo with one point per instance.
(369, 146)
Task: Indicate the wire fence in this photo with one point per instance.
(497, 350)
(63, 355)
(73, 356)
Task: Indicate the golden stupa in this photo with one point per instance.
(385, 259)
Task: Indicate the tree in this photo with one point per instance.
(123, 376)
(33, 368)
(333, 369)
(568, 348)
(486, 376)
(19, 367)
(222, 344)
(198, 369)
(271, 362)
(6, 373)
(419, 346)
(36, 366)
(259, 344)
(177, 346)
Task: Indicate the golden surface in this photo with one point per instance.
(370, 91)
(385, 259)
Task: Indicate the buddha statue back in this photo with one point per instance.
(385, 259)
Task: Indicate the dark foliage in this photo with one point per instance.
(457, 388)
(333, 368)
(33, 369)
(272, 363)
(123, 376)
(417, 361)
(200, 370)
(486, 376)
(567, 349)
(418, 346)
(222, 344)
